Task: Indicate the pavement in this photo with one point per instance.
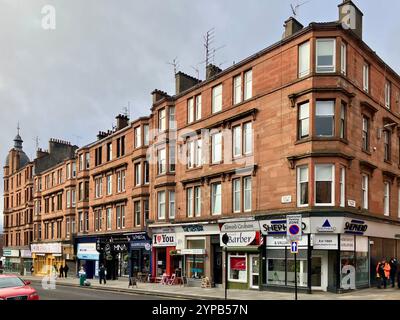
(195, 293)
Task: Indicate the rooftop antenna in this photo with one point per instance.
(37, 140)
(197, 72)
(127, 110)
(175, 64)
(295, 8)
(18, 128)
(77, 139)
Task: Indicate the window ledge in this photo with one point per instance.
(188, 170)
(216, 163)
(366, 151)
(388, 162)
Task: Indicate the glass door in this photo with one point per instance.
(254, 271)
(319, 271)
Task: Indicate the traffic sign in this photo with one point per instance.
(294, 247)
(293, 227)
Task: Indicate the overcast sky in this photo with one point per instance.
(71, 82)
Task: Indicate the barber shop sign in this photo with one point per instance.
(242, 239)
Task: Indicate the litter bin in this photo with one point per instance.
(82, 279)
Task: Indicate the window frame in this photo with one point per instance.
(386, 199)
(332, 203)
(299, 183)
(214, 97)
(213, 198)
(317, 67)
(306, 72)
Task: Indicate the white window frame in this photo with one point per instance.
(217, 99)
(388, 94)
(109, 184)
(214, 148)
(386, 199)
(197, 201)
(248, 85)
(138, 137)
(237, 141)
(171, 204)
(332, 203)
(172, 119)
(343, 58)
(342, 185)
(299, 183)
(146, 134)
(304, 62)
(162, 120)
(214, 197)
(162, 161)
(247, 206)
(138, 174)
(198, 107)
(366, 68)
(190, 110)
(364, 188)
(189, 203)
(237, 195)
(109, 218)
(137, 205)
(237, 89)
(160, 212)
(325, 68)
(247, 135)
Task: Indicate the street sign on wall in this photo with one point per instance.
(294, 227)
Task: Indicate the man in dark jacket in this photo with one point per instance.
(66, 268)
(393, 270)
(102, 274)
(380, 274)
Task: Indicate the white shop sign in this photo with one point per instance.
(239, 239)
(325, 242)
(10, 253)
(26, 254)
(46, 248)
(278, 242)
(241, 226)
(346, 242)
(193, 251)
(164, 240)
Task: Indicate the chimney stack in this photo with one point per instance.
(184, 82)
(122, 121)
(351, 17)
(158, 95)
(292, 26)
(211, 71)
(101, 135)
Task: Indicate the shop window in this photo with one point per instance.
(237, 268)
(195, 262)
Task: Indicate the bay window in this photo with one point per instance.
(162, 166)
(304, 120)
(324, 185)
(343, 58)
(161, 205)
(302, 186)
(342, 183)
(325, 118)
(326, 55)
(304, 59)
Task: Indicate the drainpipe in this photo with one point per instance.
(309, 258)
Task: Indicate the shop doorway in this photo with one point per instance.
(217, 265)
(319, 271)
(254, 271)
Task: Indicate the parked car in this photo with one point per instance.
(13, 287)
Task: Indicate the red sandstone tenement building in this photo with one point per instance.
(309, 125)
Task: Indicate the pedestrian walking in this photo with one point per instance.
(82, 276)
(55, 271)
(102, 274)
(66, 269)
(61, 270)
(393, 270)
(380, 274)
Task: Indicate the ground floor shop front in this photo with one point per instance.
(18, 260)
(48, 258)
(191, 251)
(336, 253)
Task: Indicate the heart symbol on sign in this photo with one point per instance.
(159, 238)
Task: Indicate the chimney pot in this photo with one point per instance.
(292, 26)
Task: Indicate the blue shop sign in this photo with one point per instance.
(140, 244)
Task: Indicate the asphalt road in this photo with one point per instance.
(76, 293)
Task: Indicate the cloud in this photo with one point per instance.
(71, 82)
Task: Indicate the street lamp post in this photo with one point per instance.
(225, 240)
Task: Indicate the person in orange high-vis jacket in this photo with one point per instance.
(387, 269)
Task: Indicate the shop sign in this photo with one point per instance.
(326, 227)
(10, 253)
(277, 227)
(142, 244)
(193, 251)
(164, 240)
(46, 248)
(142, 236)
(241, 226)
(325, 242)
(346, 242)
(15, 260)
(239, 239)
(87, 251)
(26, 254)
(280, 241)
(357, 227)
(193, 228)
